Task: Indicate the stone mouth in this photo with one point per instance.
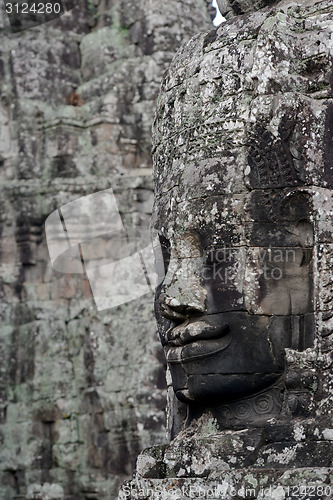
(194, 330)
(196, 350)
(206, 343)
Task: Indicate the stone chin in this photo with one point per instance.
(218, 389)
(230, 8)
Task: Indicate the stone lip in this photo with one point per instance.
(202, 328)
(196, 350)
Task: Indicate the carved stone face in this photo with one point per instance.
(237, 291)
(241, 159)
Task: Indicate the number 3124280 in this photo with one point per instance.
(35, 8)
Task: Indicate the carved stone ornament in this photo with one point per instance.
(243, 156)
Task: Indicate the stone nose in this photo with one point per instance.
(177, 310)
(168, 310)
(182, 292)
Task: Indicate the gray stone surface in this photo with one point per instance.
(81, 392)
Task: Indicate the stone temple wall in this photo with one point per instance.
(81, 391)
